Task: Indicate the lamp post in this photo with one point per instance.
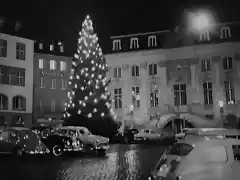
(221, 104)
(131, 109)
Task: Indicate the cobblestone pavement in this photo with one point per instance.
(122, 162)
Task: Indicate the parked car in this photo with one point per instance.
(182, 134)
(127, 136)
(201, 157)
(57, 142)
(21, 141)
(147, 134)
(91, 142)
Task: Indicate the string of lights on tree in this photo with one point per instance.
(88, 94)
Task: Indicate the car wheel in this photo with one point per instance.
(57, 150)
(17, 152)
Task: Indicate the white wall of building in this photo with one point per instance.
(27, 64)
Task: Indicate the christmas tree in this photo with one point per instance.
(88, 96)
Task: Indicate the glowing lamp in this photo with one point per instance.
(220, 103)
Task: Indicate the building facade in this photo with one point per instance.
(172, 76)
(16, 80)
(51, 74)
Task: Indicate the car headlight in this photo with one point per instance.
(68, 143)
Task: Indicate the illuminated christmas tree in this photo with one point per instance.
(88, 95)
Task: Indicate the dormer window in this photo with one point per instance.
(134, 43)
(51, 47)
(225, 32)
(60, 44)
(116, 44)
(205, 36)
(40, 46)
(152, 41)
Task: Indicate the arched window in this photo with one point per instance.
(3, 101)
(19, 103)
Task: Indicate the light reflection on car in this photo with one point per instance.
(21, 141)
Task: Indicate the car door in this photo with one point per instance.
(5, 142)
(235, 165)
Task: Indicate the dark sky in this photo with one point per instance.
(62, 18)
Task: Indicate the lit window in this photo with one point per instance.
(180, 94)
(40, 63)
(53, 84)
(53, 65)
(118, 98)
(152, 41)
(207, 91)
(40, 46)
(116, 44)
(63, 65)
(205, 36)
(154, 98)
(225, 32)
(229, 92)
(134, 43)
(51, 47)
(136, 97)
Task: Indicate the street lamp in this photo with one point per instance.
(221, 104)
(200, 21)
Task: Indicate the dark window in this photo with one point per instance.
(227, 63)
(20, 51)
(19, 103)
(3, 48)
(181, 149)
(135, 70)
(3, 101)
(152, 69)
(229, 92)
(236, 152)
(118, 98)
(180, 94)
(206, 65)
(117, 72)
(207, 91)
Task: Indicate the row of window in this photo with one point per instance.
(152, 69)
(18, 103)
(12, 78)
(52, 64)
(20, 49)
(52, 105)
(225, 33)
(180, 95)
(63, 85)
(227, 63)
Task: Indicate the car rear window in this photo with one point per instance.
(180, 149)
(236, 152)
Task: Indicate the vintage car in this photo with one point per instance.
(209, 156)
(91, 142)
(147, 134)
(127, 136)
(56, 142)
(21, 141)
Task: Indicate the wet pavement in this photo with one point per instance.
(122, 162)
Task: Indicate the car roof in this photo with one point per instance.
(72, 127)
(213, 132)
(18, 128)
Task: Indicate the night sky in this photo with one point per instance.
(61, 19)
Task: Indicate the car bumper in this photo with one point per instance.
(102, 147)
(39, 152)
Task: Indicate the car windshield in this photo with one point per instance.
(28, 134)
(180, 149)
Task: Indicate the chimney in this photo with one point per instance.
(60, 44)
(17, 26)
(1, 23)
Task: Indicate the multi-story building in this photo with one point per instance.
(51, 74)
(16, 80)
(174, 76)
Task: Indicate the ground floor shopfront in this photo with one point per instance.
(15, 119)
